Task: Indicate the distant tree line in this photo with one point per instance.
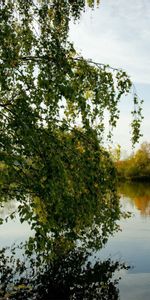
(136, 166)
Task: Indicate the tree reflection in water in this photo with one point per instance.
(69, 276)
(139, 194)
(57, 264)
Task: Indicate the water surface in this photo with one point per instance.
(130, 245)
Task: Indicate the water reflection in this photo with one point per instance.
(139, 194)
(56, 260)
(69, 276)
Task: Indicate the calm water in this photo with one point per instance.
(130, 245)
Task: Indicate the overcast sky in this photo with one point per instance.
(118, 33)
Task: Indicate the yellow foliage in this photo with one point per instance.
(3, 166)
(40, 209)
(80, 148)
(91, 3)
(88, 94)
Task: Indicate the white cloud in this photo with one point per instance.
(117, 33)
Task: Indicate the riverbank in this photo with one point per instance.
(136, 167)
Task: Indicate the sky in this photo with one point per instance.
(118, 33)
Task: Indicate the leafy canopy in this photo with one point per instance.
(44, 83)
(52, 106)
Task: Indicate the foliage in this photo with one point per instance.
(46, 90)
(115, 153)
(78, 200)
(137, 166)
(52, 106)
(44, 82)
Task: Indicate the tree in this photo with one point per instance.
(45, 86)
(137, 166)
(52, 159)
(50, 145)
(51, 98)
(115, 153)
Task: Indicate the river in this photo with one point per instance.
(130, 245)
